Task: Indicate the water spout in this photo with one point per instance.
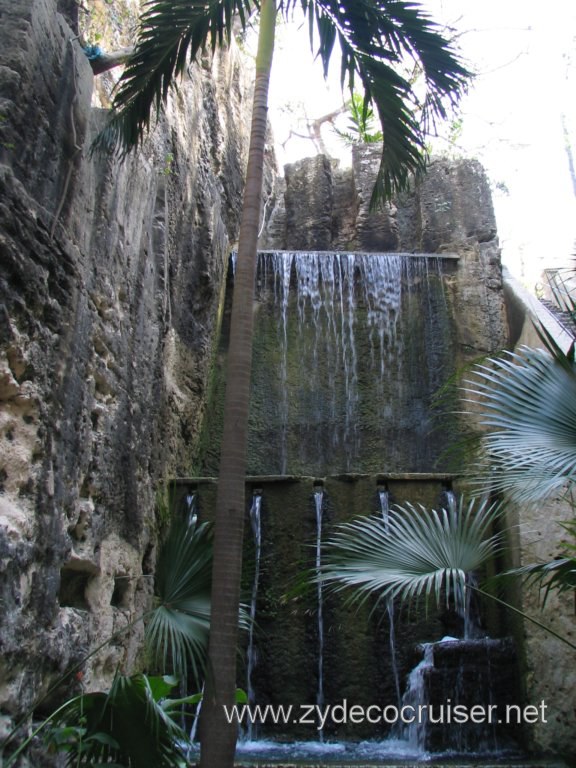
(415, 699)
(384, 498)
(318, 503)
(190, 506)
(251, 654)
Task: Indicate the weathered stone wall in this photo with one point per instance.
(549, 665)
(110, 287)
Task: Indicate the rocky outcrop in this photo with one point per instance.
(109, 294)
(319, 206)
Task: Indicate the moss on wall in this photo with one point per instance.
(347, 367)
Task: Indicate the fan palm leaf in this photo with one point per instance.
(177, 630)
(528, 404)
(419, 553)
(375, 40)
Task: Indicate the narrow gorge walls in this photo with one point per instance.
(111, 293)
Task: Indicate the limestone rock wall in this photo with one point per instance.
(110, 284)
(319, 206)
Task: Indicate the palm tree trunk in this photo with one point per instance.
(218, 736)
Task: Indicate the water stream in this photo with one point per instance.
(318, 502)
(191, 509)
(384, 498)
(251, 653)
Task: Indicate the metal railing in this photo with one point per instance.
(562, 284)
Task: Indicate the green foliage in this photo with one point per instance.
(177, 629)
(171, 33)
(176, 636)
(528, 403)
(557, 575)
(375, 40)
(420, 553)
(131, 725)
(361, 123)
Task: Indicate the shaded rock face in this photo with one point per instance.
(320, 206)
(109, 292)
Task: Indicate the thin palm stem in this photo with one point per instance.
(219, 735)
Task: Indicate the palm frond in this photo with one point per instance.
(127, 726)
(420, 553)
(558, 574)
(177, 632)
(375, 39)
(528, 404)
(171, 34)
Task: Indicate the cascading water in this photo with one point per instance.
(464, 603)
(454, 677)
(318, 503)
(448, 500)
(384, 499)
(251, 654)
(334, 381)
(415, 699)
(191, 510)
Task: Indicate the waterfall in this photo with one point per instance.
(251, 654)
(384, 498)
(448, 499)
(318, 501)
(465, 604)
(334, 382)
(455, 676)
(416, 698)
(468, 611)
(190, 505)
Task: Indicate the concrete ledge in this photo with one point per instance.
(350, 477)
(408, 254)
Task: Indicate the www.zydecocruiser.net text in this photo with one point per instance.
(345, 713)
